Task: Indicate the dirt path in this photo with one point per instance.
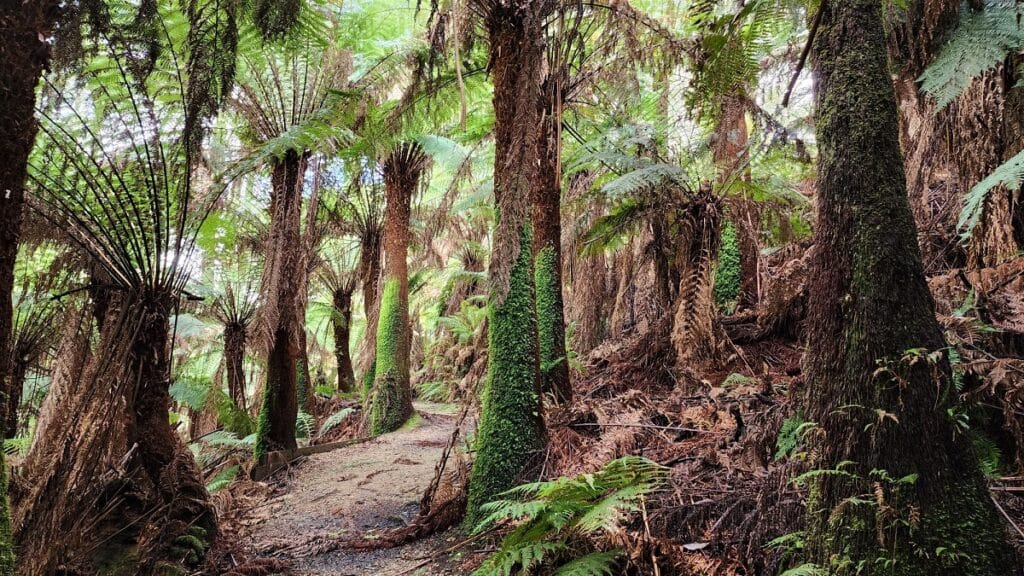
(357, 490)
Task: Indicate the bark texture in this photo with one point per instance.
(234, 359)
(948, 151)
(283, 315)
(880, 408)
(391, 397)
(511, 425)
(547, 248)
(341, 323)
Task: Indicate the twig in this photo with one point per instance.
(804, 54)
(1007, 516)
(652, 426)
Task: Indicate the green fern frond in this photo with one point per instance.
(334, 420)
(222, 479)
(1010, 174)
(981, 42)
(593, 564)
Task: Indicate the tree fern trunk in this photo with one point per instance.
(341, 320)
(234, 362)
(947, 152)
(283, 315)
(391, 397)
(880, 414)
(547, 250)
(511, 425)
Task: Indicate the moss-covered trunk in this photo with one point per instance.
(391, 397)
(234, 359)
(511, 423)
(910, 498)
(547, 248)
(341, 323)
(732, 159)
(283, 308)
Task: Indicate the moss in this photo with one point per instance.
(728, 274)
(301, 386)
(368, 379)
(511, 429)
(7, 563)
(391, 398)
(263, 421)
(548, 316)
(960, 535)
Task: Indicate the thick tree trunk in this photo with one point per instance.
(341, 321)
(181, 492)
(283, 311)
(511, 429)
(588, 295)
(234, 362)
(880, 407)
(547, 250)
(391, 396)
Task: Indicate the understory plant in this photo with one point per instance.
(556, 520)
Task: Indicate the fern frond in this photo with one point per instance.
(1010, 174)
(593, 564)
(980, 43)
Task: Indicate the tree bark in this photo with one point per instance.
(391, 397)
(947, 152)
(283, 310)
(547, 248)
(18, 375)
(234, 363)
(369, 275)
(731, 160)
(341, 320)
(880, 406)
(511, 429)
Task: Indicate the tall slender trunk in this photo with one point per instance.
(879, 404)
(19, 373)
(731, 160)
(589, 294)
(547, 248)
(23, 56)
(234, 361)
(284, 313)
(511, 429)
(341, 320)
(391, 397)
(369, 275)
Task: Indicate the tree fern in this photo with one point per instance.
(982, 41)
(551, 524)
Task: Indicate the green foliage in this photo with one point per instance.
(1009, 174)
(334, 420)
(510, 432)
(728, 275)
(549, 316)
(223, 478)
(560, 512)
(304, 424)
(791, 435)
(982, 41)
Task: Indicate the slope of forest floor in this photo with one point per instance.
(353, 492)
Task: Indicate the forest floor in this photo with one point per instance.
(357, 491)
